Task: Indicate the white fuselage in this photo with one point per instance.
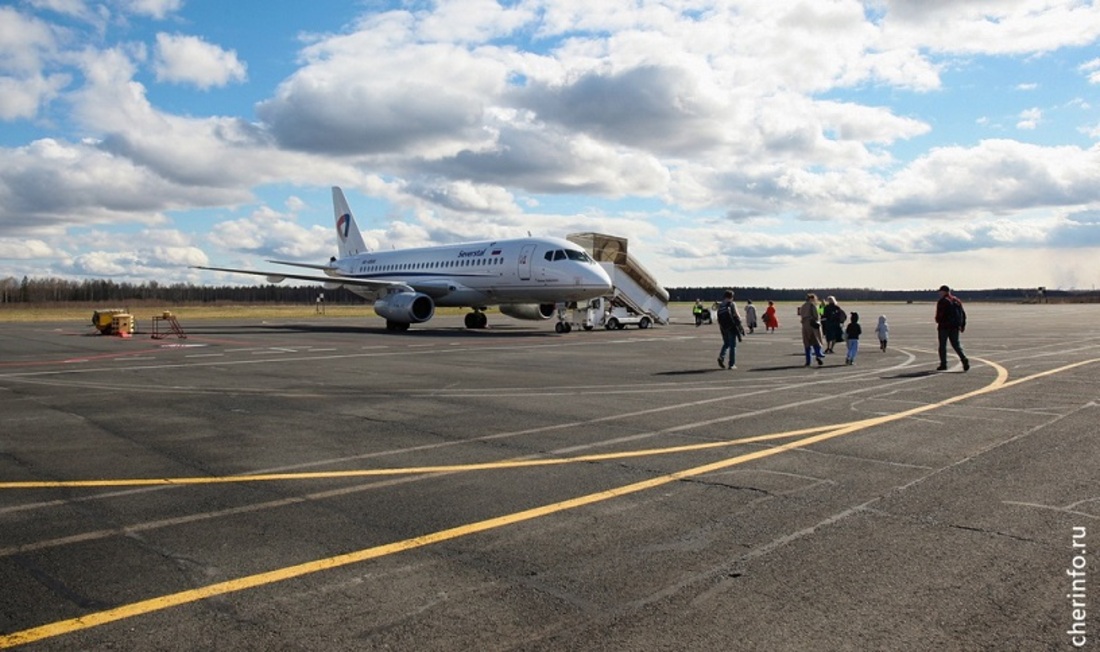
(526, 270)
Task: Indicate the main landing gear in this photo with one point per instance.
(476, 319)
(563, 327)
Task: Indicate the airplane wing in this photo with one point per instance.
(331, 282)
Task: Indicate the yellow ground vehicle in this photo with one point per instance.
(113, 321)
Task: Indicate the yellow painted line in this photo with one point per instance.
(414, 470)
(252, 581)
(1002, 374)
(1000, 380)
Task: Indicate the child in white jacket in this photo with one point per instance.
(883, 332)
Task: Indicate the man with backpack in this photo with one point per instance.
(729, 322)
(950, 321)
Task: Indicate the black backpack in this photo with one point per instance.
(956, 314)
(726, 317)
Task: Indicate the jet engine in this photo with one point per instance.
(534, 311)
(405, 307)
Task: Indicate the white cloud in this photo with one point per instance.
(1030, 119)
(990, 26)
(191, 60)
(754, 114)
(24, 41)
(996, 175)
(22, 98)
(158, 9)
(268, 233)
(25, 249)
(1092, 70)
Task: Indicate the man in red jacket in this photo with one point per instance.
(950, 321)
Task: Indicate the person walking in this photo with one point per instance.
(811, 329)
(853, 331)
(771, 320)
(729, 322)
(750, 316)
(950, 322)
(833, 318)
(883, 332)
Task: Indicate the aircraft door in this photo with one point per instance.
(525, 256)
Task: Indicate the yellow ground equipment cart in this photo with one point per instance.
(113, 321)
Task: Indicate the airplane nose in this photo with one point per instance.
(600, 277)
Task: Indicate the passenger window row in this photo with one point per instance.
(438, 264)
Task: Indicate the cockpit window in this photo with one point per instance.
(568, 254)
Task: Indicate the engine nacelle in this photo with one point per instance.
(533, 311)
(405, 307)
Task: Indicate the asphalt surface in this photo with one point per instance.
(323, 484)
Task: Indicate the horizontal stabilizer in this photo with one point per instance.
(305, 265)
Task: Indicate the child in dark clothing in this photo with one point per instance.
(853, 331)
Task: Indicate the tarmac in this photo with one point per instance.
(323, 484)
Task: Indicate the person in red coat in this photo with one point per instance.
(771, 321)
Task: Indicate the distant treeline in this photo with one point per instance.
(56, 290)
(758, 294)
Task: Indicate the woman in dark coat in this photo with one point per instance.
(833, 323)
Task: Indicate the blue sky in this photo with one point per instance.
(890, 144)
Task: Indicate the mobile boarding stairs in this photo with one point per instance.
(634, 291)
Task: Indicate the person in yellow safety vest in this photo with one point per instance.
(697, 310)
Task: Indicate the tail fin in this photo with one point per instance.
(347, 233)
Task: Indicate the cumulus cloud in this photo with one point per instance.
(1030, 119)
(990, 26)
(191, 60)
(763, 117)
(158, 9)
(22, 98)
(25, 249)
(272, 234)
(1091, 68)
(996, 175)
(24, 41)
(373, 93)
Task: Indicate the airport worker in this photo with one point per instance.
(853, 331)
(883, 332)
(832, 320)
(950, 322)
(811, 329)
(697, 310)
(729, 322)
(750, 316)
(771, 319)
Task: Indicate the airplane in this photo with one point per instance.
(526, 277)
